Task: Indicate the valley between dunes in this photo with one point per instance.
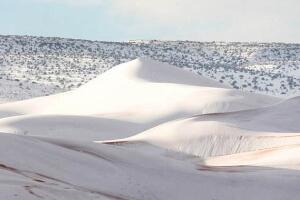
(149, 130)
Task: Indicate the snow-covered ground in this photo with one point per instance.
(150, 130)
(38, 66)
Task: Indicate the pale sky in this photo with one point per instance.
(121, 20)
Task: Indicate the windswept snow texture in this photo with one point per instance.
(38, 66)
(146, 130)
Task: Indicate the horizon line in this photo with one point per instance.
(150, 40)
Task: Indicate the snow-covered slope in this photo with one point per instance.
(139, 94)
(221, 134)
(31, 169)
(286, 156)
(144, 85)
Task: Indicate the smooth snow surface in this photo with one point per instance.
(148, 130)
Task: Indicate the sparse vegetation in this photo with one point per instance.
(55, 64)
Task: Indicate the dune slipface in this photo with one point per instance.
(148, 130)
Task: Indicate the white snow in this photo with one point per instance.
(148, 130)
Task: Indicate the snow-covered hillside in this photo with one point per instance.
(37, 66)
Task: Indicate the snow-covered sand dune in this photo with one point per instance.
(175, 135)
(142, 93)
(142, 89)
